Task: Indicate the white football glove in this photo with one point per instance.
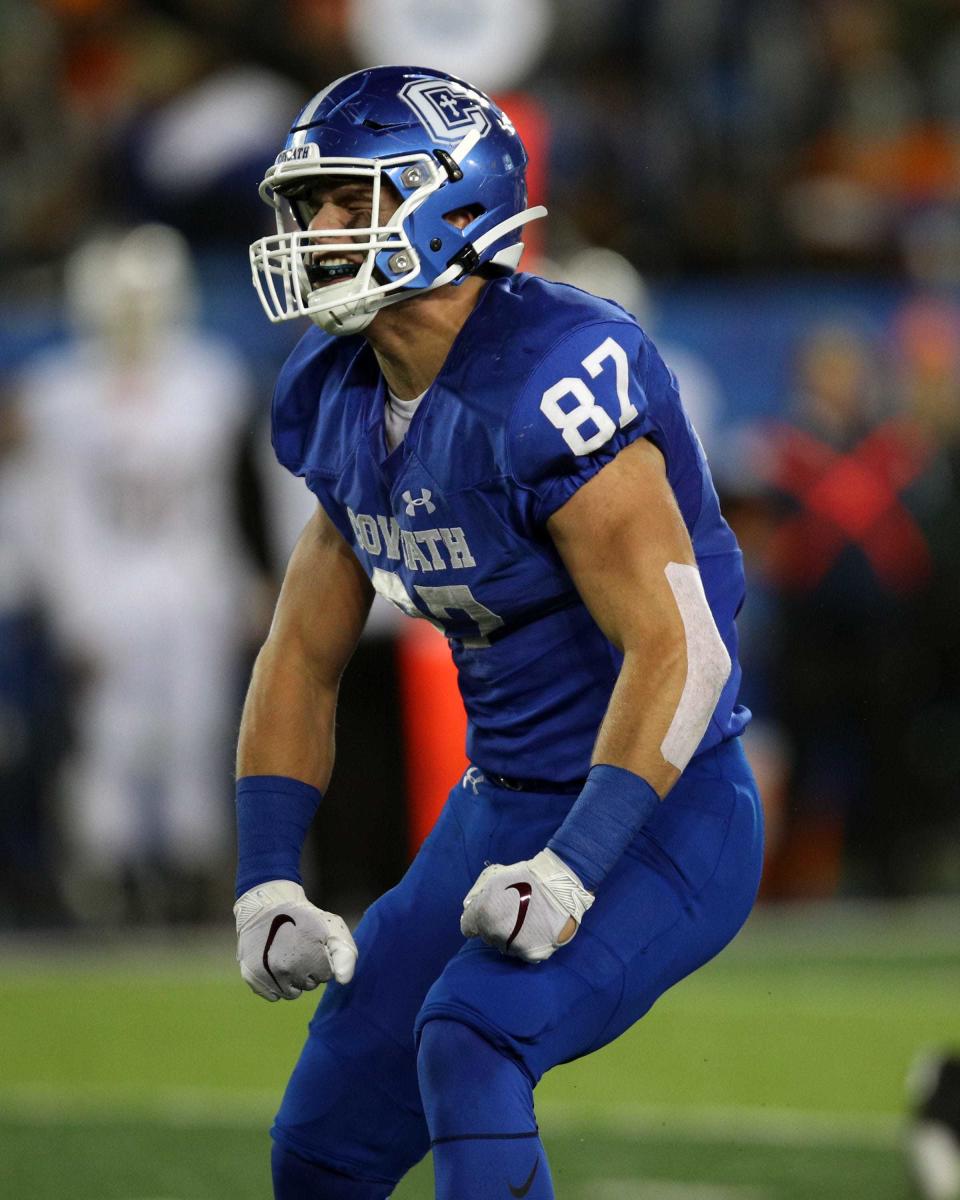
(286, 945)
(522, 909)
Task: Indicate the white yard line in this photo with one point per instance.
(755, 1126)
(882, 930)
(225, 1108)
(661, 1189)
(190, 1107)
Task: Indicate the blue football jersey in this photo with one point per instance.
(542, 387)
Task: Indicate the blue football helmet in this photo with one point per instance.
(442, 145)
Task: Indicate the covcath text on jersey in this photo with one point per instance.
(382, 535)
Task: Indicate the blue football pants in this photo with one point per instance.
(678, 895)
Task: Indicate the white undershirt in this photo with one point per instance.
(397, 415)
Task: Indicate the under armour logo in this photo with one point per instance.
(447, 109)
(423, 498)
(474, 777)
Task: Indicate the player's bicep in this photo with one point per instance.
(617, 535)
(324, 601)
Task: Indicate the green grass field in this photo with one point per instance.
(148, 1072)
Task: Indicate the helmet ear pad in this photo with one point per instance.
(437, 231)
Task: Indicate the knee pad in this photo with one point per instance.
(479, 1108)
(294, 1178)
(469, 1086)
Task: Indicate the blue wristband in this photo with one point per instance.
(612, 807)
(273, 816)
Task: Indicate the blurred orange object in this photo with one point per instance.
(532, 124)
(434, 725)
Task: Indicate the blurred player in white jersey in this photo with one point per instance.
(134, 430)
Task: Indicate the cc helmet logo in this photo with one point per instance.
(447, 110)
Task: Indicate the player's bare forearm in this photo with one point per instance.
(288, 718)
(622, 538)
(288, 721)
(639, 713)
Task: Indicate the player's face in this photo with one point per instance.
(341, 205)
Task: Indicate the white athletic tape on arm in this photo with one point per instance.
(708, 666)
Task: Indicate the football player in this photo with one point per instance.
(133, 429)
(933, 1127)
(508, 459)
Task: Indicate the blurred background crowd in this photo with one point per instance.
(771, 186)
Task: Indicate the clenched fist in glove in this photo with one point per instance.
(524, 909)
(286, 945)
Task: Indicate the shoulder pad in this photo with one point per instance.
(588, 397)
(296, 396)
